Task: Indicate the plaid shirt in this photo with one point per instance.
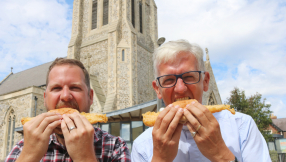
(107, 148)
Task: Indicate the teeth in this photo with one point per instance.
(180, 99)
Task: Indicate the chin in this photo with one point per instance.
(61, 136)
(58, 132)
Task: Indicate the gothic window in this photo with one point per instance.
(10, 132)
(105, 11)
(123, 55)
(94, 14)
(212, 100)
(8, 137)
(133, 12)
(141, 17)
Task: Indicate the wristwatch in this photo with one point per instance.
(235, 160)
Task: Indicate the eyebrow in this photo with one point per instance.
(72, 84)
(76, 84)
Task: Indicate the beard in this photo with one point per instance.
(61, 104)
(60, 136)
(58, 132)
(70, 104)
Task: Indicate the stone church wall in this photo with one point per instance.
(40, 105)
(134, 70)
(3, 110)
(94, 58)
(123, 79)
(22, 107)
(144, 68)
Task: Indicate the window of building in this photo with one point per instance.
(128, 130)
(8, 137)
(141, 17)
(123, 55)
(212, 100)
(125, 133)
(10, 134)
(133, 12)
(105, 127)
(137, 129)
(105, 11)
(94, 14)
(115, 129)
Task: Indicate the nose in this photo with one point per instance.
(66, 95)
(180, 86)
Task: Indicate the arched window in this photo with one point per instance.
(141, 17)
(105, 11)
(212, 100)
(123, 55)
(8, 137)
(94, 14)
(10, 132)
(133, 12)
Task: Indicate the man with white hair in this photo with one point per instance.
(180, 74)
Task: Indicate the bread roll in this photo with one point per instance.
(91, 117)
(149, 118)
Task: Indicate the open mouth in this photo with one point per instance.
(181, 99)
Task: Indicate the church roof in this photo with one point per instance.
(35, 76)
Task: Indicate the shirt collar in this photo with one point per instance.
(53, 139)
(96, 135)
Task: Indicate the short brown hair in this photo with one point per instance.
(64, 61)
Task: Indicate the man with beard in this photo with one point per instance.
(53, 137)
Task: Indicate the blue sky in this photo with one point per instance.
(246, 39)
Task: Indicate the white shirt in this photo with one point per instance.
(239, 133)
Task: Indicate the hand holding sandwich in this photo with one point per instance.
(208, 136)
(166, 134)
(37, 133)
(78, 141)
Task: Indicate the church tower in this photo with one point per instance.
(115, 40)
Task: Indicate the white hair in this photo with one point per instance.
(169, 51)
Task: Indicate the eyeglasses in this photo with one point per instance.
(190, 77)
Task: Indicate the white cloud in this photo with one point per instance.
(32, 32)
(246, 41)
(277, 106)
(225, 27)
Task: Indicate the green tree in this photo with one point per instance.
(254, 106)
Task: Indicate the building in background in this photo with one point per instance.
(278, 127)
(115, 40)
(278, 131)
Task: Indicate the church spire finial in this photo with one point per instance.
(207, 56)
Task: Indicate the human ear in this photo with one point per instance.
(156, 88)
(206, 81)
(45, 98)
(91, 96)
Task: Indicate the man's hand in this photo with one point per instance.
(36, 136)
(166, 134)
(208, 137)
(78, 141)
